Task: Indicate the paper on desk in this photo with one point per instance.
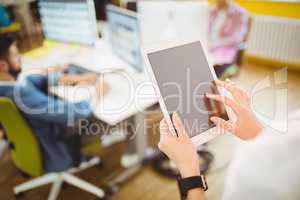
(51, 54)
(42, 51)
(73, 94)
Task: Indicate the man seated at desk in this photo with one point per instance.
(228, 27)
(47, 116)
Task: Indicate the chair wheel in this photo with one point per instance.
(104, 198)
(100, 165)
(24, 175)
(113, 189)
(19, 195)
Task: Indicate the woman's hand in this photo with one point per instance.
(246, 126)
(179, 149)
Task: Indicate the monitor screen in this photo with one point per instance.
(69, 20)
(173, 20)
(124, 35)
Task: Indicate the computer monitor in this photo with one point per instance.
(125, 35)
(162, 21)
(69, 20)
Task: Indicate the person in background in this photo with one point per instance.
(265, 166)
(228, 27)
(50, 124)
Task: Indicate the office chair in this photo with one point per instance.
(27, 156)
(242, 47)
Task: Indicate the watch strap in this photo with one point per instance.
(189, 183)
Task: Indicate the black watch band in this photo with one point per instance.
(186, 184)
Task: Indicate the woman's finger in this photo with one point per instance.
(164, 128)
(225, 125)
(243, 93)
(227, 101)
(178, 125)
(166, 137)
(231, 87)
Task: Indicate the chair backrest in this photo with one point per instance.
(25, 149)
(249, 26)
(240, 55)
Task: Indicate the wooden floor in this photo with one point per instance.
(148, 185)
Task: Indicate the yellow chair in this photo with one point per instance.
(27, 156)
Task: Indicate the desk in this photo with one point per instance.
(130, 93)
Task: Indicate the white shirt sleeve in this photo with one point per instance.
(267, 167)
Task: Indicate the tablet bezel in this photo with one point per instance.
(202, 137)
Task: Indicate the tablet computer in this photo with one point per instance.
(181, 76)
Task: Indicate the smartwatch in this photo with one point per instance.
(189, 183)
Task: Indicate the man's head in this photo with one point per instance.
(223, 3)
(10, 59)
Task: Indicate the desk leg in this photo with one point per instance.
(136, 145)
(140, 139)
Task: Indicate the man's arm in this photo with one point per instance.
(38, 105)
(86, 78)
(35, 97)
(43, 81)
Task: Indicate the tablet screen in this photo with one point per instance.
(184, 77)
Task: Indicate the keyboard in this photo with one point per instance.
(76, 69)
